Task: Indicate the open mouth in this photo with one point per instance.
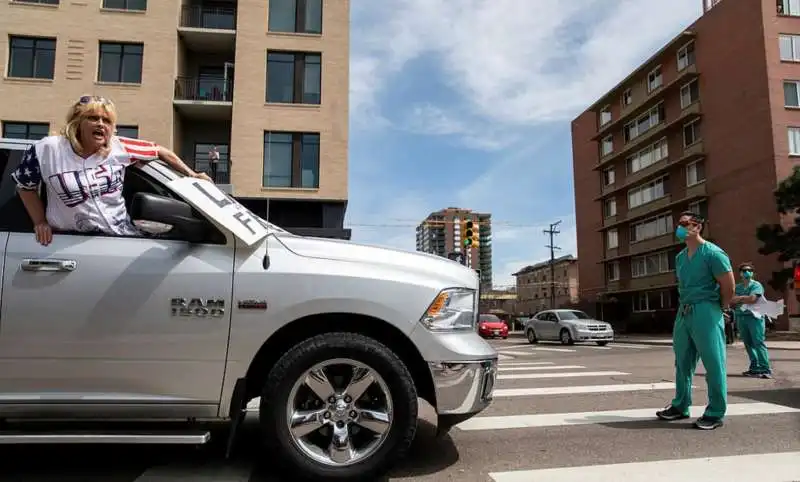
(99, 134)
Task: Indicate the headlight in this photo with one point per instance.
(452, 309)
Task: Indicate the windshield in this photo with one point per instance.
(489, 319)
(179, 175)
(573, 315)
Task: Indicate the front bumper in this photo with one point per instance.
(487, 332)
(594, 335)
(463, 388)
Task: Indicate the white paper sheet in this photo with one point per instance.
(765, 307)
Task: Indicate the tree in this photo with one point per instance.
(776, 239)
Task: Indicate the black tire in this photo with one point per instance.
(602, 343)
(274, 399)
(531, 335)
(569, 340)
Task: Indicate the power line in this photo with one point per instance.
(552, 232)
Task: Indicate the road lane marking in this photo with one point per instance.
(635, 346)
(620, 387)
(528, 376)
(561, 350)
(524, 364)
(609, 416)
(775, 467)
(526, 369)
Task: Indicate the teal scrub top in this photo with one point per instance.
(697, 276)
(754, 288)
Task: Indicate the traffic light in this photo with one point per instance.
(468, 233)
(475, 235)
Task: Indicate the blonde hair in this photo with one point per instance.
(83, 108)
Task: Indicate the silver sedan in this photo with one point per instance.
(567, 326)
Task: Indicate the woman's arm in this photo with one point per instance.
(34, 206)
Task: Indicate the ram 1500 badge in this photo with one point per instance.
(174, 326)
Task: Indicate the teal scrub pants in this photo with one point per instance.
(699, 333)
(753, 334)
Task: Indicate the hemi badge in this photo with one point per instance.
(252, 304)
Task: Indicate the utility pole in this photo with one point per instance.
(552, 232)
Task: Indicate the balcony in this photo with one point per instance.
(208, 29)
(688, 114)
(659, 281)
(204, 98)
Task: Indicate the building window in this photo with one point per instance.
(291, 160)
(121, 63)
(131, 132)
(648, 156)
(26, 130)
(31, 57)
(691, 133)
(610, 208)
(699, 207)
(653, 300)
(605, 115)
(295, 16)
(294, 78)
(789, 8)
(644, 123)
(686, 56)
(612, 239)
(648, 192)
(40, 2)
(794, 141)
(652, 264)
(790, 47)
(627, 98)
(654, 79)
(612, 272)
(652, 228)
(690, 93)
(607, 145)
(791, 93)
(695, 173)
(609, 177)
(138, 5)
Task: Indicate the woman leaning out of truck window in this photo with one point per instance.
(83, 170)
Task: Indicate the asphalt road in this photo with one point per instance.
(574, 409)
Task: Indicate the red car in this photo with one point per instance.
(490, 326)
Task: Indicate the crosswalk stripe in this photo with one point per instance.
(527, 376)
(635, 346)
(560, 350)
(609, 416)
(596, 347)
(501, 356)
(620, 387)
(517, 353)
(524, 364)
(776, 467)
(528, 368)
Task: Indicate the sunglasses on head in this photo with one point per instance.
(86, 99)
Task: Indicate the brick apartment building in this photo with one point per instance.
(534, 285)
(265, 82)
(710, 123)
(440, 234)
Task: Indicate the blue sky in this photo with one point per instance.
(459, 103)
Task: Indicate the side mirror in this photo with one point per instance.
(160, 215)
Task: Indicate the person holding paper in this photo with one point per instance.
(705, 286)
(751, 325)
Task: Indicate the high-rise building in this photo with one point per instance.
(441, 233)
(710, 123)
(264, 84)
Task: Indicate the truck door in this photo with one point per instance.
(97, 323)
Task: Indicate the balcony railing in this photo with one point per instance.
(203, 89)
(198, 16)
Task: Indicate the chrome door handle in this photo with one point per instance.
(29, 264)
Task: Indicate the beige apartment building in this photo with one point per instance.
(262, 86)
(540, 284)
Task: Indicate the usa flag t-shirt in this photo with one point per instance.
(83, 194)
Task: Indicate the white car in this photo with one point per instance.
(567, 326)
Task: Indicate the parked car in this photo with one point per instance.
(176, 331)
(490, 326)
(567, 326)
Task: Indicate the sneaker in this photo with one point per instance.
(708, 423)
(671, 413)
(765, 375)
(749, 373)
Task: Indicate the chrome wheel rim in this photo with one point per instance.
(565, 336)
(531, 336)
(339, 412)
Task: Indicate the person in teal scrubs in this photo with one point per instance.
(751, 328)
(705, 286)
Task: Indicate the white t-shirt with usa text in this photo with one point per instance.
(83, 195)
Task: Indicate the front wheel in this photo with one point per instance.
(566, 337)
(338, 406)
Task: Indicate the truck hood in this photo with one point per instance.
(340, 250)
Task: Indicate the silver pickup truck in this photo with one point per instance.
(167, 337)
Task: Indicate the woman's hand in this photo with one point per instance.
(203, 176)
(44, 234)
